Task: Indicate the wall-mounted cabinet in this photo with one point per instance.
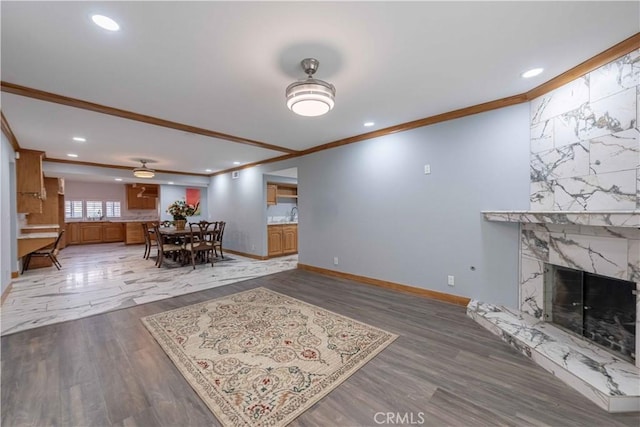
(30, 182)
(49, 207)
(272, 190)
(281, 191)
(142, 196)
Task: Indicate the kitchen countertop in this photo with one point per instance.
(39, 226)
(283, 223)
(45, 235)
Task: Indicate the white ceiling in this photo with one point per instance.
(224, 66)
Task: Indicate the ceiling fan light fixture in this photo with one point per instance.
(143, 171)
(310, 97)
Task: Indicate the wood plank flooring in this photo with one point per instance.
(444, 369)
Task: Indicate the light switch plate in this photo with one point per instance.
(427, 169)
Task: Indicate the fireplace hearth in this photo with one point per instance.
(598, 308)
(588, 339)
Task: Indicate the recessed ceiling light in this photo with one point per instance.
(79, 139)
(208, 170)
(105, 22)
(72, 155)
(236, 163)
(118, 179)
(369, 124)
(170, 182)
(532, 73)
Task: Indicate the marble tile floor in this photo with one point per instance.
(106, 277)
(610, 383)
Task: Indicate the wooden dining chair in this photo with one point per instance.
(50, 251)
(198, 242)
(217, 242)
(149, 239)
(165, 249)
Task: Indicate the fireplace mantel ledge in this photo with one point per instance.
(629, 218)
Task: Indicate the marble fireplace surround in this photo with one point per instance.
(601, 242)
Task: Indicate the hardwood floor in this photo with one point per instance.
(444, 369)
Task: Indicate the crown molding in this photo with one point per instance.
(261, 162)
(102, 165)
(624, 47)
(455, 114)
(614, 52)
(98, 108)
(6, 129)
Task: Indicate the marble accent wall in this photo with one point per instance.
(585, 156)
(585, 142)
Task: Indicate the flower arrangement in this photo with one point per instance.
(181, 210)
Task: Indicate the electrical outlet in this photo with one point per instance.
(335, 260)
(451, 281)
(427, 169)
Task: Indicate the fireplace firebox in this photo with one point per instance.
(598, 308)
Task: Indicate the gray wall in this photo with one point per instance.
(242, 203)
(371, 205)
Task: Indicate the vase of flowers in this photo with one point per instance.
(180, 210)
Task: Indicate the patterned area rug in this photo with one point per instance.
(261, 358)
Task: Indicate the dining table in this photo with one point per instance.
(172, 233)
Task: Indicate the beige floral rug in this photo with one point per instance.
(261, 358)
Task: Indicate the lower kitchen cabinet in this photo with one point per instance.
(113, 232)
(274, 233)
(133, 233)
(73, 233)
(289, 239)
(282, 239)
(91, 233)
(80, 233)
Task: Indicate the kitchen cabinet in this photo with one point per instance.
(281, 191)
(289, 239)
(52, 212)
(274, 235)
(282, 239)
(112, 232)
(133, 233)
(30, 182)
(63, 241)
(73, 233)
(288, 191)
(50, 209)
(91, 232)
(80, 233)
(142, 196)
(272, 190)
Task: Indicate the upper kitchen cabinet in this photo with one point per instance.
(50, 206)
(142, 196)
(30, 181)
(281, 191)
(272, 190)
